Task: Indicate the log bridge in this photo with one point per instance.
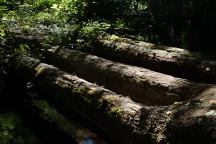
(132, 104)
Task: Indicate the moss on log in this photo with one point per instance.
(142, 85)
(170, 60)
(119, 116)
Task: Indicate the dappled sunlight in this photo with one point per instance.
(136, 82)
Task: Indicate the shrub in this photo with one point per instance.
(93, 29)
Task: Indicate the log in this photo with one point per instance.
(119, 116)
(142, 85)
(170, 60)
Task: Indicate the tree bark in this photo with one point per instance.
(142, 85)
(169, 60)
(119, 116)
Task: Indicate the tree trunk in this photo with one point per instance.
(192, 121)
(169, 60)
(142, 85)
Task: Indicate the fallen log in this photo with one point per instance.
(193, 120)
(170, 60)
(142, 85)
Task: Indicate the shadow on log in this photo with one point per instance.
(169, 60)
(119, 116)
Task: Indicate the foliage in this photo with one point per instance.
(61, 9)
(72, 8)
(45, 18)
(2, 33)
(71, 22)
(2, 10)
(93, 29)
(120, 24)
(63, 36)
(69, 35)
(43, 4)
(23, 49)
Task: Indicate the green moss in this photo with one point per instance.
(85, 95)
(23, 49)
(2, 32)
(117, 112)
